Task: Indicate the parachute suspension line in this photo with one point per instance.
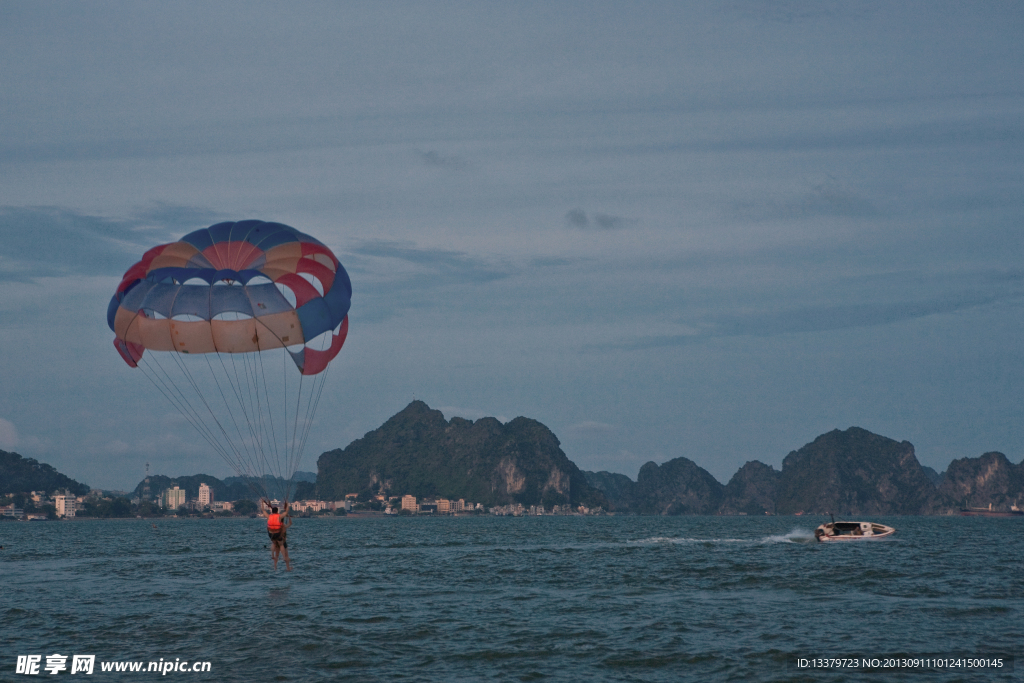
(311, 407)
(264, 463)
(254, 407)
(229, 451)
(294, 452)
(180, 403)
(227, 406)
(254, 419)
(237, 458)
(291, 461)
(233, 456)
(265, 423)
(245, 468)
(170, 389)
(276, 461)
(177, 397)
(236, 389)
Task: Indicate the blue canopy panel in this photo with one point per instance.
(315, 318)
(258, 233)
(203, 302)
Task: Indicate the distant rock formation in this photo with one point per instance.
(681, 487)
(418, 452)
(989, 479)
(855, 472)
(752, 490)
(619, 489)
(21, 475)
(677, 487)
(934, 477)
(848, 472)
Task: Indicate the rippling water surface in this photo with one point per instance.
(541, 598)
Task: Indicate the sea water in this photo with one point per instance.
(615, 598)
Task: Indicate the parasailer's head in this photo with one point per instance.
(274, 509)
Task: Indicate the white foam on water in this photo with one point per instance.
(666, 539)
(794, 536)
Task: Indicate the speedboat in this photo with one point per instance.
(852, 531)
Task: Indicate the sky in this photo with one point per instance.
(713, 230)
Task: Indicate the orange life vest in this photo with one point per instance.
(274, 522)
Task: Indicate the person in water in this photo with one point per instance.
(277, 529)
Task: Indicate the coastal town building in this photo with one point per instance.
(65, 505)
(205, 497)
(11, 511)
(174, 498)
(308, 506)
(409, 503)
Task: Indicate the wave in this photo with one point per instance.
(794, 536)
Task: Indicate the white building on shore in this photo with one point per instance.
(66, 506)
(174, 498)
(205, 497)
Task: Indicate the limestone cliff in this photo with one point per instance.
(420, 453)
(855, 472)
(977, 482)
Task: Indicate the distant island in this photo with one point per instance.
(844, 472)
(519, 468)
(419, 453)
(851, 472)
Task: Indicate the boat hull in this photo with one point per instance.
(846, 532)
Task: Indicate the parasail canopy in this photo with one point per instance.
(284, 287)
(241, 293)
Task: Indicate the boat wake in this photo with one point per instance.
(655, 540)
(794, 536)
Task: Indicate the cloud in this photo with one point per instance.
(590, 428)
(821, 319)
(395, 277)
(441, 266)
(439, 160)
(577, 218)
(8, 435)
(827, 198)
(183, 219)
(51, 241)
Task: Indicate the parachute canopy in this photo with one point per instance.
(234, 288)
(229, 312)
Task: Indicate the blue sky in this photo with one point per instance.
(711, 230)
